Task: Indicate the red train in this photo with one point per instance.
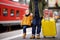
(11, 12)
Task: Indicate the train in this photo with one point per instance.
(11, 12)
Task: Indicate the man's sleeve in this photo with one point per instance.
(30, 6)
(45, 4)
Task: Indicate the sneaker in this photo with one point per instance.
(24, 35)
(37, 37)
(32, 37)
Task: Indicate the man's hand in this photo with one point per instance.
(31, 14)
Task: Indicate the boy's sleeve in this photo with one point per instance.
(31, 17)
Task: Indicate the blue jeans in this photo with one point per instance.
(36, 23)
(24, 29)
(34, 29)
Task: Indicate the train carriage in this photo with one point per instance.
(11, 12)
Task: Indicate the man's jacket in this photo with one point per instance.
(41, 6)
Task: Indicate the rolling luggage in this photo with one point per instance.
(49, 28)
(48, 25)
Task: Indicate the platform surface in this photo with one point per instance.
(17, 34)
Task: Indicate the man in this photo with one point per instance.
(36, 7)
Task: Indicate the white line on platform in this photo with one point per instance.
(12, 37)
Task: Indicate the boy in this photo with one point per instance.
(26, 21)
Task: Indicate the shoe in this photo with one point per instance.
(37, 37)
(24, 35)
(32, 37)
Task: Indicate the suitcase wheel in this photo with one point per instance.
(53, 37)
(44, 36)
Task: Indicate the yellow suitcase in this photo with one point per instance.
(49, 28)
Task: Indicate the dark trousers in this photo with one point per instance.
(36, 23)
(24, 29)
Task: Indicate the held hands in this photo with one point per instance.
(31, 14)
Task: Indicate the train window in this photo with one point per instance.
(17, 13)
(5, 12)
(12, 13)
